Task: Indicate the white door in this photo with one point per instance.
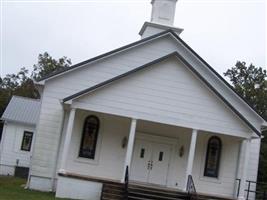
(141, 157)
(150, 162)
(159, 164)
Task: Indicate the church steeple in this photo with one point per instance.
(162, 18)
(163, 12)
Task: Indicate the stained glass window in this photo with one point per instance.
(213, 157)
(26, 141)
(89, 137)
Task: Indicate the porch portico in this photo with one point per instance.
(155, 153)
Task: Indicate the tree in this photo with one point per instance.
(47, 65)
(19, 84)
(251, 83)
(22, 84)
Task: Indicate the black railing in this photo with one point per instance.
(126, 182)
(238, 186)
(191, 189)
(259, 189)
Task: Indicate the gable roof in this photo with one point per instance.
(22, 110)
(169, 31)
(106, 54)
(191, 68)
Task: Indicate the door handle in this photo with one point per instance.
(148, 165)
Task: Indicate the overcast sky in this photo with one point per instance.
(221, 31)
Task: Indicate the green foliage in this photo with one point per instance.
(16, 84)
(251, 83)
(22, 84)
(47, 65)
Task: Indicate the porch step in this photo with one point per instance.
(136, 192)
(116, 191)
(208, 197)
(113, 191)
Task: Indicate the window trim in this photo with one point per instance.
(83, 135)
(23, 137)
(219, 158)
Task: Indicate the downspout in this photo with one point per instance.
(58, 149)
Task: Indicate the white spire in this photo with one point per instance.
(163, 11)
(162, 18)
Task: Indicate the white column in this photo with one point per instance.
(67, 140)
(191, 156)
(130, 146)
(244, 169)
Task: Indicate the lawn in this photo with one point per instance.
(13, 189)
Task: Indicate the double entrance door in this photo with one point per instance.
(150, 162)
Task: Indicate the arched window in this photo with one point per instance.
(89, 137)
(213, 157)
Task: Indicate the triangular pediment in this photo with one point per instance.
(167, 91)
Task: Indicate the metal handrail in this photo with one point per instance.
(191, 189)
(260, 194)
(126, 182)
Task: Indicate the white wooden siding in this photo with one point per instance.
(226, 92)
(109, 156)
(11, 145)
(166, 92)
(47, 140)
(253, 164)
(225, 183)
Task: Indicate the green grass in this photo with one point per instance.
(12, 188)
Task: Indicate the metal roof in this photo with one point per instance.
(23, 110)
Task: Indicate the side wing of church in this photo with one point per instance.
(152, 114)
(20, 118)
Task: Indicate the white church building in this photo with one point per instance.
(153, 109)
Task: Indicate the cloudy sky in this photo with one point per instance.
(221, 31)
